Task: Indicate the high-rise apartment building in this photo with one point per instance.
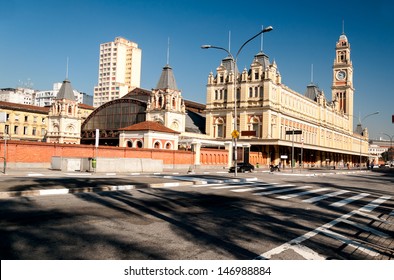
(119, 70)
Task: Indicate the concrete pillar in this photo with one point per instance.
(197, 151)
(229, 147)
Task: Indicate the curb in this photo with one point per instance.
(62, 191)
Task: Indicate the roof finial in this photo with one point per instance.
(343, 27)
(168, 51)
(262, 40)
(67, 69)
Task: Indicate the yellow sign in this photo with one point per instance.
(235, 133)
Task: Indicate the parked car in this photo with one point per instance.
(242, 167)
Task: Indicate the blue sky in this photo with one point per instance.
(38, 36)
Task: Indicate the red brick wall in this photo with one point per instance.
(39, 152)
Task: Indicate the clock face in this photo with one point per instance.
(341, 75)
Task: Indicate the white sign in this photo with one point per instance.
(283, 156)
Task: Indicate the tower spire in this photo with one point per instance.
(67, 69)
(343, 27)
(262, 39)
(168, 51)
(229, 41)
(312, 73)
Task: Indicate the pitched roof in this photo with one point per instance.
(148, 126)
(23, 107)
(66, 91)
(167, 79)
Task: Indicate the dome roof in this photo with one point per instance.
(343, 37)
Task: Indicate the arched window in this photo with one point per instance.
(129, 144)
(168, 146)
(156, 145)
(254, 125)
(138, 144)
(220, 128)
(173, 103)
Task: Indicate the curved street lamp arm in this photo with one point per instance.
(267, 29)
(219, 48)
(369, 115)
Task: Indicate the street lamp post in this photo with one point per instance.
(234, 61)
(391, 147)
(360, 123)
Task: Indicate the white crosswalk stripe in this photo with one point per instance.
(302, 193)
(282, 190)
(324, 196)
(349, 200)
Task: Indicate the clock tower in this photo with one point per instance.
(342, 82)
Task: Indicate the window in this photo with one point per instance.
(6, 129)
(220, 128)
(139, 144)
(16, 129)
(26, 118)
(25, 130)
(256, 75)
(34, 131)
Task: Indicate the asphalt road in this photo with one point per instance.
(267, 216)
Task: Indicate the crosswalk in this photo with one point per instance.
(362, 205)
(306, 193)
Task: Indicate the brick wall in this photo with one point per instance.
(40, 152)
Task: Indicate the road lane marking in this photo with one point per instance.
(366, 228)
(350, 242)
(227, 187)
(349, 200)
(282, 190)
(302, 193)
(373, 217)
(296, 241)
(259, 187)
(53, 191)
(205, 184)
(375, 203)
(324, 196)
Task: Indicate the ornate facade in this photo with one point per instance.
(166, 104)
(267, 109)
(64, 119)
